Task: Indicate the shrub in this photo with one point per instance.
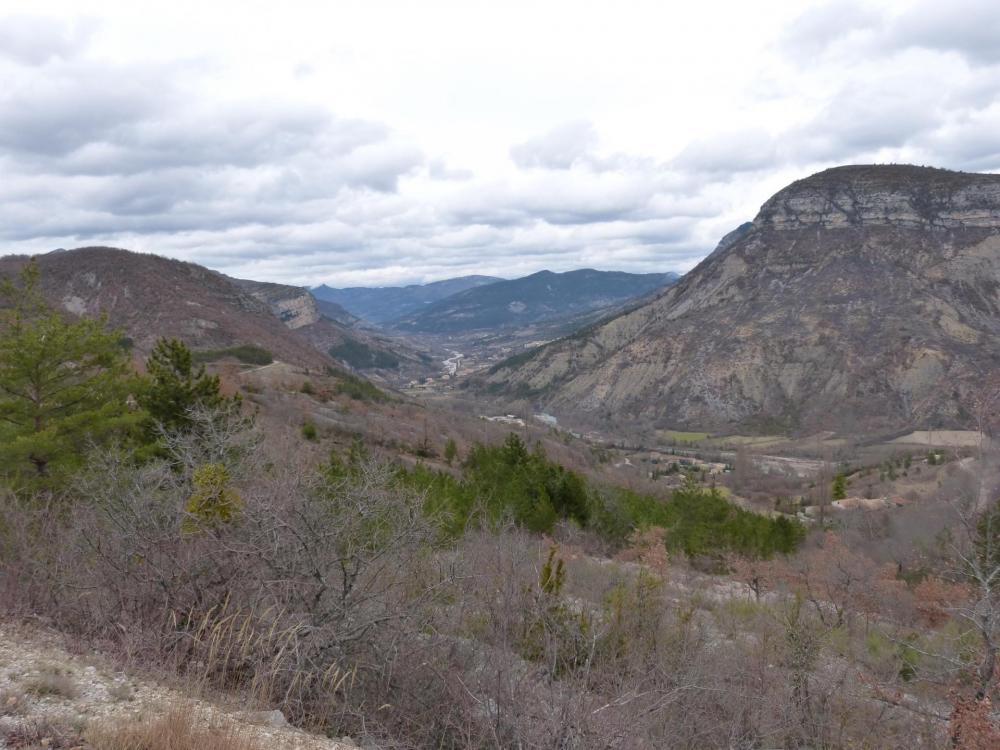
(363, 357)
(309, 431)
(359, 389)
(51, 680)
(213, 501)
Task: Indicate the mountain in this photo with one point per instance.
(333, 330)
(149, 296)
(384, 304)
(860, 298)
(542, 296)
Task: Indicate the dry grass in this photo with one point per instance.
(51, 680)
(42, 734)
(177, 729)
(12, 702)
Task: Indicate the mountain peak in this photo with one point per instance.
(862, 298)
(899, 195)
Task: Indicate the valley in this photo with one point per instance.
(586, 490)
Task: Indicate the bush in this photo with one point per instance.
(309, 431)
(363, 357)
(509, 481)
(358, 388)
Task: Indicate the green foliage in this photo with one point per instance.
(63, 385)
(359, 389)
(363, 357)
(175, 386)
(510, 481)
(248, 354)
(702, 522)
(631, 612)
(307, 388)
(450, 451)
(552, 632)
(987, 538)
(213, 502)
(839, 489)
(309, 431)
(553, 575)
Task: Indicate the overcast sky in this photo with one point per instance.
(371, 143)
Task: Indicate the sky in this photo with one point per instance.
(378, 143)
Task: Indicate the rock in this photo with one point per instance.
(267, 718)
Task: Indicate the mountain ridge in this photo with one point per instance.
(384, 304)
(538, 297)
(863, 295)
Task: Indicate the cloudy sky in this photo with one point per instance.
(376, 142)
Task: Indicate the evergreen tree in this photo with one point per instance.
(64, 384)
(176, 386)
(450, 450)
(839, 491)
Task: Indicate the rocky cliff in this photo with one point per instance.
(860, 298)
(333, 330)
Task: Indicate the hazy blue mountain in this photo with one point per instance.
(387, 303)
(532, 299)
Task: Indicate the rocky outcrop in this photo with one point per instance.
(899, 196)
(295, 306)
(861, 298)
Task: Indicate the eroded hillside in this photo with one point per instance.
(861, 298)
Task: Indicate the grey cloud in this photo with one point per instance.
(726, 153)
(560, 148)
(970, 28)
(35, 40)
(821, 27)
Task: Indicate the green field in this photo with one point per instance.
(679, 436)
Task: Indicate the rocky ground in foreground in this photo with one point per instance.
(52, 698)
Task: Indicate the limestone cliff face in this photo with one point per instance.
(898, 196)
(295, 306)
(859, 298)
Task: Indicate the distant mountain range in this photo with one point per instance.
(863, 298)
(540, 297)
(385, 304)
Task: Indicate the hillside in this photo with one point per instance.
(542, 296)
(333, 330)
(860, 298)
(384, 304)
(149, 296)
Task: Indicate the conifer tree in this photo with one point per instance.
(839, 490)
(176, 386)
(64, 384)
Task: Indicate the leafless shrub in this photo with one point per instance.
(51, 680)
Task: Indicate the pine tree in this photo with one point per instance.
(64, 384)
(176, 386)
(839, 491)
